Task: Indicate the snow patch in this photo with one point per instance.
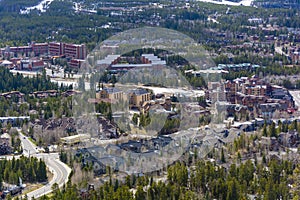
(230, 3)
(78, 8)
(42, 7)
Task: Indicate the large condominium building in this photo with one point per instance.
(75, 51)
(40, 48)
(36, 48)
(56, 48)
(20, 50)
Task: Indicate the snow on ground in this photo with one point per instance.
(78, 8)
(296, 96)
(213, 20)
(42, 7)
(229, 3)
(185, 92)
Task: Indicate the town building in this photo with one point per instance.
(26, 50)
(111, 63)
(76, 63)
(138, 96)
(217, 91)
(45, 94)
(40, 48)
(75, 139)
(74, 51)
(108, 60)
(113, 94)
(31, 64)
(56, 49)
(259, 97)
(6, 64)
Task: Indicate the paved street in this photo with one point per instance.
(60, 174)
(60, 170)
(28, 147)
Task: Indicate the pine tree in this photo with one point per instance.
(41, 171)
(233, 190)
(223, 156)
(272, 130)
(265, 133)
(140, 194)
(1, 182)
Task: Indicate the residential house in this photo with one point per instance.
(45, 94)
(269, 143)
(18, 96)
(289, 139)
(69, 93)
(268, 109)
(4, 146)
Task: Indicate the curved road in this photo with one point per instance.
(60, 170)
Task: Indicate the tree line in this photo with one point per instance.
(205, 180)
(18, 82)
(28, 169)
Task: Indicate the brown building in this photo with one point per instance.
(32, 65)
(75, 63)
(113, 94)
(231, 90)
(138, 96)
(56, 49)
(253, 101)
(20, 50)
(75, 51)
(40, 48)
(257, 90)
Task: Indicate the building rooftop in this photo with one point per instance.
(111, 90)
(154, 59)
(107, 60)
(139, 91)
(131, 65)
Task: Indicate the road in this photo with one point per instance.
(28, 147)
(60, 170)
(60, 174)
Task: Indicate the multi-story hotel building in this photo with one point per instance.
(56, 49)
(75, 51)
(40, 48)
(72, 51)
